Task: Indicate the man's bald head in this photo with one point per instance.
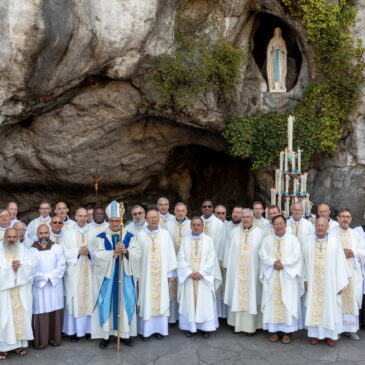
(81, 217)
(321, 227)
(61, 210)
(43, 233)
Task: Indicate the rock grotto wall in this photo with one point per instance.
(73, 103)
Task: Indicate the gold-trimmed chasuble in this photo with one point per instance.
(318, 284)
(244, 270)
(195, 258)
(348, 293)
(154, 250)
(278, 312)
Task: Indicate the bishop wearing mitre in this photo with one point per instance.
(111, 265)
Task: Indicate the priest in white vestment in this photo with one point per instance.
(48, 298)
(16, 274)
(20, 229)
(111, 265)
(354, 251)
(220, 211)
(163, 206)
(280, 274)
(61, 211)
(325, 275)
(300, 226)
(138, 222)
(199, 278)
(236, 220)
(98, 222)
(153, 259)
(12, 207)
(215, 228)
(56, 231)
(268, 228)
(258, 211)
(323, 211)
(178, 228)
(44, 217)
(243, 288)
(5, 222)
(77, 244)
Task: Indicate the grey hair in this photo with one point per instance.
(179, 204)
(137, 206)
(162, 199)
(220, 206)
(247, 210)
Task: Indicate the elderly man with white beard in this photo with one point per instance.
(178, 228)
(16, 274)
(138, 222)
(243, 288)
(199, 277)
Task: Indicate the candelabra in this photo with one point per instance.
(290, 180)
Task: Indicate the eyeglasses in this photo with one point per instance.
(220, 213)
(137, 213)
(345, 216)
(57, 223)
(207, 206)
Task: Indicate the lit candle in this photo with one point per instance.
(290, 132)
(287, 180)
(295, 186)
(286, 161)
(281, 160)
(293, 162)
(299, 160)
(305, 182)
(303, 205)
(273, 196)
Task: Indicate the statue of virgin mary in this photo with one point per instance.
(276, 63)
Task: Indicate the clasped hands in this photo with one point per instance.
(348, 253)
(120, 249)
(278, 265)
(84, 251)
(15, 265)
(195, 276)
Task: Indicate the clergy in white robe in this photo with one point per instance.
(138, 222)
(243, 288)
(268, 228)
(163, 206)
(61, 211)
(77, 244)
(258, 211)
(20, 229)
(215, 228)
(153, 259)
(325, 275)
(16, 275)
(5, 222)
(31, 232)
(111, 265)
(98, 222)
(280, 274)
(300, 226)
(199, 277)
(48, 298)
(323, 211)
(355, 254)
(220, 211)
(12, 207)
(178, 228)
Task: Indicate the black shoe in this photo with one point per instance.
(188, 334)
(206, 334)
(250, 334)
(127, 341)
(74, 338)
(145, 339)
(158, 336)
(88, 336)
(104, 344)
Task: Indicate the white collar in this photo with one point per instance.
(292, 220)
(164, 215)
(140, 226)
(207, 220)
(98, 224)
(259, 219)
(44, 219)
(344, 230)
(197, 237)
(149, 231)
(279, 238)
(56, 234)
(186, 220)
(325, 238)
(245, 229)
(83, 229)
(5, 228)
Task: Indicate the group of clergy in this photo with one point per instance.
(93, 277)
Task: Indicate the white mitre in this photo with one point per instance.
(112, 210)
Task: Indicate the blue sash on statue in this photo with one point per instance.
(276, 65)
(108, 296)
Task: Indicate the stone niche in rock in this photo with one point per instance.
(261, 34)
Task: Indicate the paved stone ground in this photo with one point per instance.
(223, 348)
